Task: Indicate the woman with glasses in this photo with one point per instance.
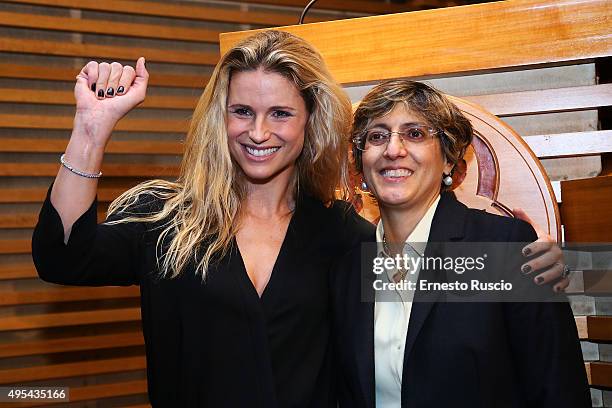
(421, 346)
(232, 259)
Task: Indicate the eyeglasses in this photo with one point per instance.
(379, 137)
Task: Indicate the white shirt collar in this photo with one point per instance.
(419, 236)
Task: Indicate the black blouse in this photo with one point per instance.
(216, 343)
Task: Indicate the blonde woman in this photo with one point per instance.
(232, 259)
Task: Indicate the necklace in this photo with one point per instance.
(400, 275)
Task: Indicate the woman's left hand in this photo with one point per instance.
(549, 256)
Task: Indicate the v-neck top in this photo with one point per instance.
(216, 343)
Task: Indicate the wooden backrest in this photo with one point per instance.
(503, 173)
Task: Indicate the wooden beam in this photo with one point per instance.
(360, 6)
(182, 11)
(597, 282)
(599, 374)
(15, 246)
(545, 100)
(89, 367)
(21, 270)
(20, 121)
(15, 220)
(116, 170)
(474, 38)
(65, 49)
(105, 27)
(37, 194)
(582, 201)
(71, 344)
(44, 97)
(570, 144)
(51, 73)
(116, 147)
(41, 321)
(594, 328)
(66, 294)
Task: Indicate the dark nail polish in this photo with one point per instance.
(120, 90)
(526, 269)
(527, 251)
(93, 87)
(539, 280)
(100, 93)
(110, 91)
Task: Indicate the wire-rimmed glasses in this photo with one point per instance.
(375, 137)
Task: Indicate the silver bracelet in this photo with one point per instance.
(78, 172)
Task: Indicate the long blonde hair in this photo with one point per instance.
(200, 210)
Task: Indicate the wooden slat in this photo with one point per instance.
(28, 220)
(583, 203)
(36, 195)
(371, 7)
(545, 100)
(51, 371)
(66, 123)
(68, 319)
(599, 374)
(570, 144)
(18, 220)
(201, 13)
(59, 145)
(597, 282)
(594, 328)
(15, 246)
(22, 270)
(50, 73)
(67, 344)
(92, 392)
(66, 294)
(21, 95)
(496, 35)
(119, 170)
(65, 49)
(155, 31)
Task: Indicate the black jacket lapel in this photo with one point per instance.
(447, 225)
(365, 330)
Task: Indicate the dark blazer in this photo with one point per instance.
(463, 354)
(217, 343)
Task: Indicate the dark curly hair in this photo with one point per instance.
(422, 99)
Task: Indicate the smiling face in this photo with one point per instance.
(404, 175)
(266, 121)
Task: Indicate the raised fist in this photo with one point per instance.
(106, 92)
